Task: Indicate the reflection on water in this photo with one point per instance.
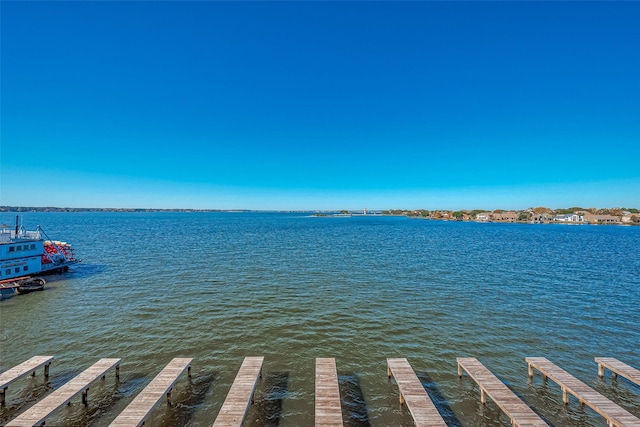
(218, 287)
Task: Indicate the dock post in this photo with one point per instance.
(565, 396)
(118, 372)
(169, 396)
(530, 371)
(459, 370)
(46, 370)
(2, 393)
(600, 370)
(84, 396)
(483, 396)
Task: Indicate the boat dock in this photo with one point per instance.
(80, 384)
(617, 368)
(614, 414)
(240, 396)
(413, 394)
(328, 406)
(519, 413)
(25, 368)
(423, 408)
(139, 409)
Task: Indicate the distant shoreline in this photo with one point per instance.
(538, 215)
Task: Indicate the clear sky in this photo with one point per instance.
(320, 105)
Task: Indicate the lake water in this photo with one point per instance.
(221, 286)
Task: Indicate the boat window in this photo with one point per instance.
(12, 248)
(17, 269)
(18, 248)
(7, 271)
(33, 246)
(25, 268)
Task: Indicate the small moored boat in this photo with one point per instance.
(30, 284)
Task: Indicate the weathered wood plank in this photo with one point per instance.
(519, 413)
(617, 368)
(328, 407)
(614, 414)
(60, 397)
(240, 395)
(25, 368)
(136, 413)
(413, 394)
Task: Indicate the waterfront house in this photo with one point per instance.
(569, 218)
(484, 216)
(606, 219)
(510, 216)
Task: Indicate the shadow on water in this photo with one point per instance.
(269, 409)
(439, 400)
(353, 403)
(188, 399)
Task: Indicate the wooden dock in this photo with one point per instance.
(413, 394)
(617, 368)
(80, 384)
(240, 396)
(490, 385)
(136, 413)
(22, 370)
(614, 414)
(328, 407)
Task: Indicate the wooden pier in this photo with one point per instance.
(328, 403)
(519, 413)
(136, 413)
(240, 396)
(22, 370)
(80, 384)
(617, 368)
(328, 406)
(614, 414)
(413, 394)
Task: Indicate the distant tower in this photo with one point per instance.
(364, 211)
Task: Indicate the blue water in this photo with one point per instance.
(221, 286)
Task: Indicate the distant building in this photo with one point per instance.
(484, 216)
(606, 219)
(510, 216)
(569, 218)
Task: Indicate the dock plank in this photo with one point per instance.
(19, 371)
(328, 407)
(413, 394)
(614, 414)
(237, 402)
(617, 368)
(37, 413)
(519, 413)
(136, 413)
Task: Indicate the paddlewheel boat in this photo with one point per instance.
(30, 253)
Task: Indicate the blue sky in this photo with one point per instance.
(320, 105)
